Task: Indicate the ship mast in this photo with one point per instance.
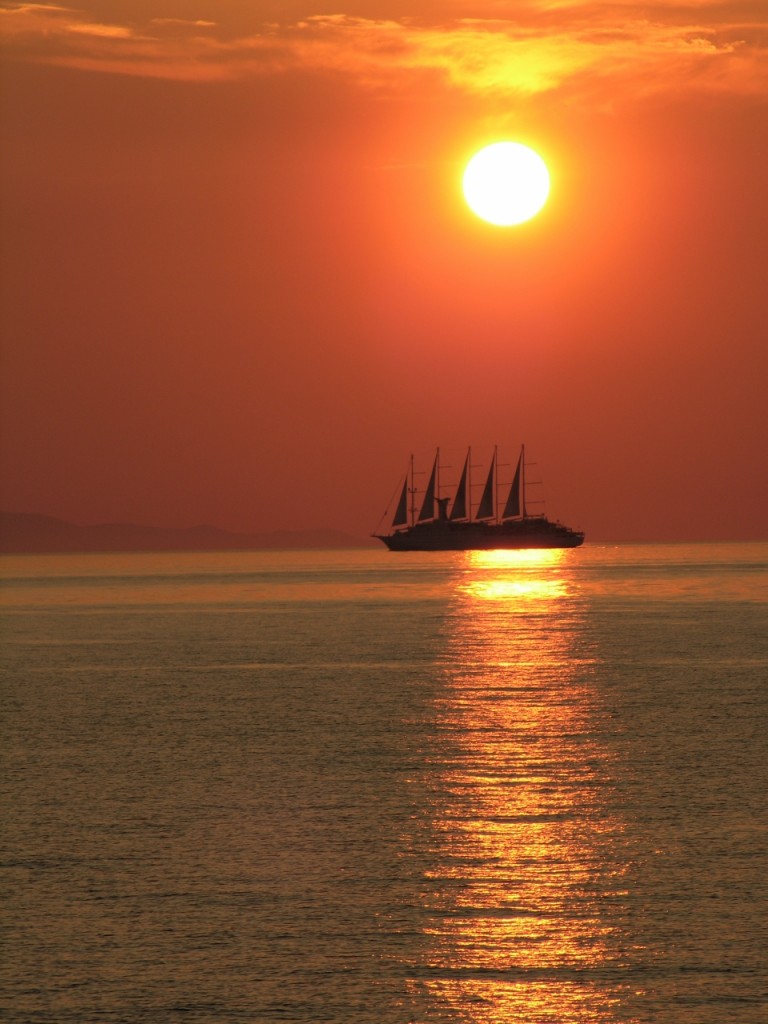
(469, 484)
(496, 484)
(413, 495)
(522, 481)
(437, 477)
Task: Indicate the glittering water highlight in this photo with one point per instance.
(350, 787)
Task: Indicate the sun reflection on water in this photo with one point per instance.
(500, 559)
(519, 827)
(502, 576)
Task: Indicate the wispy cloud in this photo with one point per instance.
(102, 31)
(551, 45)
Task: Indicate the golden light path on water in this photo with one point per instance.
(497, 582)
(518, 931)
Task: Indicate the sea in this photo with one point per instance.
(375, 788)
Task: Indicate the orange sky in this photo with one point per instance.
(240, 285)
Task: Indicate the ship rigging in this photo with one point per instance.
(488, 526)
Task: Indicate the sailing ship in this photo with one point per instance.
(488, 527)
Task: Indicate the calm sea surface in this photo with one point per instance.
(380, 788)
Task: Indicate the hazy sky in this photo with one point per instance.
(240, 284)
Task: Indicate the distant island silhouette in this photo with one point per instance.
(30, 533)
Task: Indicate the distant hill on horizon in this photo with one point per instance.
(31, 533)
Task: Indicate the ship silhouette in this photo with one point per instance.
(489, 526)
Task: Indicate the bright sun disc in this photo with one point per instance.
(506, 183)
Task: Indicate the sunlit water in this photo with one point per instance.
(370, 787)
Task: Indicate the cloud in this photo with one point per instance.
(554, 45)
(102, 31)
(198, 23)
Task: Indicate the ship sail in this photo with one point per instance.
(401, 514)
(512, 508)
(428, 506)
(459, 510)
(485, 508)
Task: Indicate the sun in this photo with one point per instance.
(506, 183)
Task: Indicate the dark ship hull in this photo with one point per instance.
(490, 528)
(533, 532)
